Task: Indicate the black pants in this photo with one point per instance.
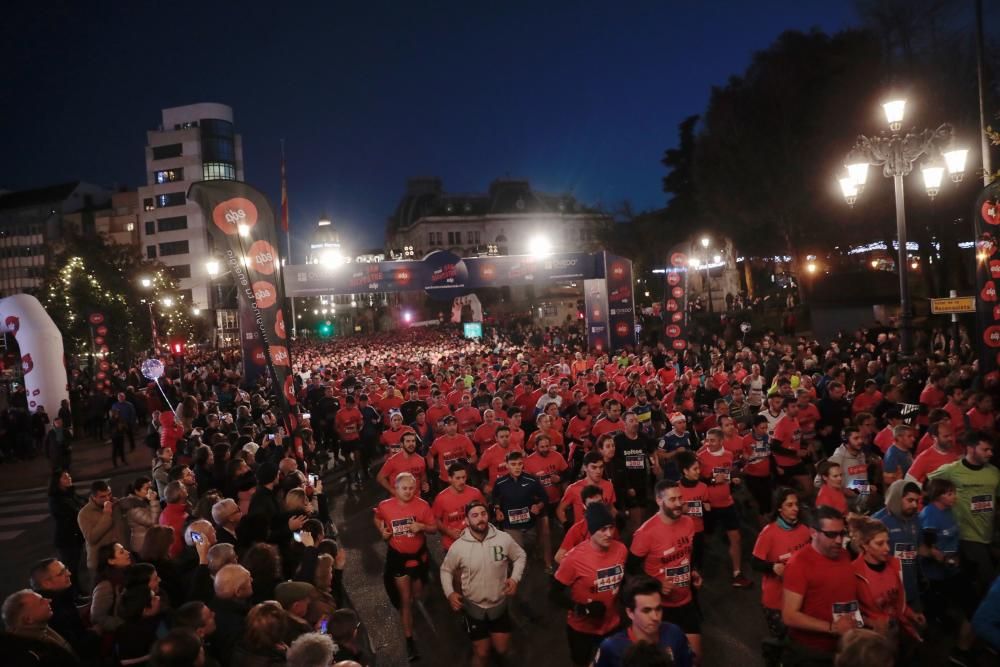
(118, 449)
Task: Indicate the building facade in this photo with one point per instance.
(194, 143)
(119, 223)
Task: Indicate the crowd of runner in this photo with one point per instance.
(864, 483)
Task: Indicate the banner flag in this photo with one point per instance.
(241, 223)
(675, 303)
(987, 229)
(621, 302)
(595, 299)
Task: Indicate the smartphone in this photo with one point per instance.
(322, 625)
(306, 415)
(298, 538)
(270, 436)
(196, 537)
(313, 479)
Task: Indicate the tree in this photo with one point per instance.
(681, 214)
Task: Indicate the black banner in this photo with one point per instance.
(675, 301)
(987, 225)
(242, 224)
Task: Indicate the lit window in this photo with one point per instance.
(130, 227)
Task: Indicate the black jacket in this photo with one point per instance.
(64, 506)
(230, 623)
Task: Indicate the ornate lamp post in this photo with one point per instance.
(896, 152)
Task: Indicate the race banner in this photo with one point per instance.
(241, 222)
(675, 301)
(987, 229)
(595, 299)
(621, 302)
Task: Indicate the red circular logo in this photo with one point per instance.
(258, 357)
(279, 355)
(263, 257)
(671, 305)
(403, 276)
(991, 336)
(673, 278)
(991, 212)
(677, 317)
(96, 318)
(621, 329)
(265, 294)
(989, 291)
(677, 292)
(232, 213)
(101, 330)
(98, 340)
(678, 259)
(679, 344)
(279, 325)
(673, 331)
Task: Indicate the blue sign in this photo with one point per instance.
(473, 329)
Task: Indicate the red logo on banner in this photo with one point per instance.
(98, 340)
(258, 356)
(265, 294)
(678, 259)
(279, 355)
(101, 375)
(995, 269)
(104, 365)
(991, 212)
(618, 270)
(101, 330)
(986, 245)
(13, 323)
(488, 272)
(677, 292)
(671, 305)
(263, 257)
(992, 336)
(677, 317)
(96, 318)
(621, 329)
(596, 314)
(673, 278)
(279, 325)
(679, 343)
(232, 213)
(403, 276)
(673, 331)
(996, 313)
(290, 390)
(27, 364)
(989, 291)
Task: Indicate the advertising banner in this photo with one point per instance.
(242, 225)
(595, 298)
(987, 225)
(675, 302)
(621, 302)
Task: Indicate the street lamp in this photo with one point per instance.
(705, 241)
(540, 246)
(896, 153)
(146, 282)
(196, 311)
(212, 266)
(168, 302)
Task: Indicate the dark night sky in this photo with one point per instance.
(575, 96)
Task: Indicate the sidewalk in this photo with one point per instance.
(91, 460)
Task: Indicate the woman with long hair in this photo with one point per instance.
(263, 642)
(64, 506)
(112, 562)
(156, 552)
(141, 507)
(264, 564)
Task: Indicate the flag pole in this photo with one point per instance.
(288, 238)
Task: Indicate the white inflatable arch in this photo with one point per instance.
(41, 344)
(470, 300)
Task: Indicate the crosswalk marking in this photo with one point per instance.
(7, 508)
(24, 518)
(23, 508)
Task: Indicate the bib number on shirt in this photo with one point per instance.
(609, 578)
(982, 503)
(760, 452)
(635, 461)
(906, 553)
(726, 476)
(849, 609)
(679, 577)
(519, 516)
(401, 527)
(693, 508)
(861, 486)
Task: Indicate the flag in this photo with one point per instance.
(284, 192)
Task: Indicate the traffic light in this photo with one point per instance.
(326, 329)
(177, 348)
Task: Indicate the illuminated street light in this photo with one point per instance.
(705, 241)
(955, 160)
(540, 246)
(244, 230)
(212, 266)
(168, 302)
(811, 267)
(315, 311)
(915, 265)
(894, 113)
(146, 282)
(694, 262)
(874, 263)
(331, 258)
(933, 174)
(407, 316)
(717, 259)
(354, 304)
(196, 311)
(858, 172)
(849, 189)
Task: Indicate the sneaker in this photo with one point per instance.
(411, 650)
(739, 581)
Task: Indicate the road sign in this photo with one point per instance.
(958, 304)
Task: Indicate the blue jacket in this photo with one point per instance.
(515, 497)
(672, 639)
(986, 620)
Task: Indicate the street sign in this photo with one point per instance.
(958, 304)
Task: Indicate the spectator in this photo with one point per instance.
(142, 511)
(64, 506)
(312, 649)
(29, 637)
(113, 559)
(100, 522)
(263, 644)
(233, 588)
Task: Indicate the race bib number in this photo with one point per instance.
(679, 577)
(609, 578)
(546, 479)
(982, 503)
(724, 472)
(861, 486)
(760, 451)
(693, 508)
(635, 461)
(448, 462)
(518, 516)
(849, 609)
(906, 553)
(401, 527)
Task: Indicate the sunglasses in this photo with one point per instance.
(834, 534)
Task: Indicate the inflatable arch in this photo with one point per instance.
(41, 344)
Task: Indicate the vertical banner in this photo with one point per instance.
(675, 302)
(595, 299)
(242, 224)
(251, 346)
(987, 228)
(621, 302)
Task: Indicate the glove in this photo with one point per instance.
(593, 609)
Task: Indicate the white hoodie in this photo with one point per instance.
(483, 566)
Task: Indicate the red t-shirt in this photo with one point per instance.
(865, 402)
(980, 421)
(607, 426)
(929, 461)
(808, 416)
(734, 445)
(788, 432)
(450, 449)
(494, 459)
(884, 439)
(555, 438)
(578, 533)
(720, 495)
(468, 419)
(594, 575)
(666, 552)
(776, 545)
(695, 498)
(544, 467)
(827, 587)
(572, 495)
(399, 516)
(579, 429)
(392, 439)
(957, 415)
(832, 497)
(880, 594)
(758, 456)
(435, 414)
(401, 462)
(932, 397)
(485, 435)
(449, 509)
(389, 403)
(349, 422)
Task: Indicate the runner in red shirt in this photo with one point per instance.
(578, 531)
(587, 583)
(831, 493)
(485, 435)
(662, 549)
(820, 603)
(405, 461)
(494, 459)
(450, 448)
(786, 446)
(717, 473)
(390, 438)
(449, 505)
(757, 471)
(879, 573)
(546, 428)
(548, 467)
(593, 469)
(775, 545)
(611, 423)
(696, 501)
(437, 412)
(731, 438)
(403, 520)
(349, 422)
(941, 453)
(468, 417)
(516, 432)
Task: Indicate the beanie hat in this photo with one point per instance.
(267, 473)
(598, 516)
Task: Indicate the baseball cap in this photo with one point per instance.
(288, 593)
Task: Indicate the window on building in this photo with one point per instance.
(170, 199)
(150, 227)
(174, 248)
(129, 226)
(168, 175)
(454, 238)
(473, 238)
(147, 204)
(151, 252)
(218, 171)
(440, 237)
(172, 224)
(180, 271)
(167, 151)
(430, 238)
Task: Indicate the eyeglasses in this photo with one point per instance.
(834, 534)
